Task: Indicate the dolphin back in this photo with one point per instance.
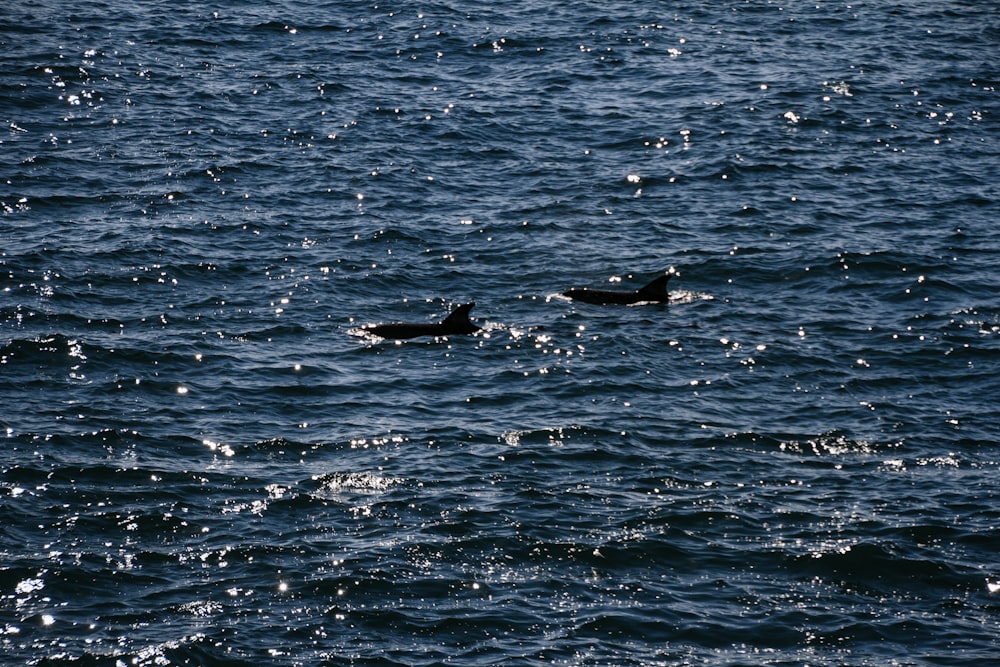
(654, 292)
(456, 323)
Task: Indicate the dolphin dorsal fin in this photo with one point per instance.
(657, 287)
(458, 316)
(458, 321)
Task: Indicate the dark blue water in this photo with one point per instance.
(793, 462)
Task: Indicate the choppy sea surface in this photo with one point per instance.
(795, 461)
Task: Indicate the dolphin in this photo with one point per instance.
(654, 292)
(456, 323)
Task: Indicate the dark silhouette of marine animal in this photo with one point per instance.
(653, 292)
(457, 323)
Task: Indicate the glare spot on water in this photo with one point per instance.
(30, 585)
(223, 449)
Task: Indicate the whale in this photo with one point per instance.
(653, 292)
(457, 323)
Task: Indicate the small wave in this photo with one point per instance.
(333, 484)
(836, 444)
(41, 349)
(556, 435)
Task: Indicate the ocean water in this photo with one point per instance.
(794, 462)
